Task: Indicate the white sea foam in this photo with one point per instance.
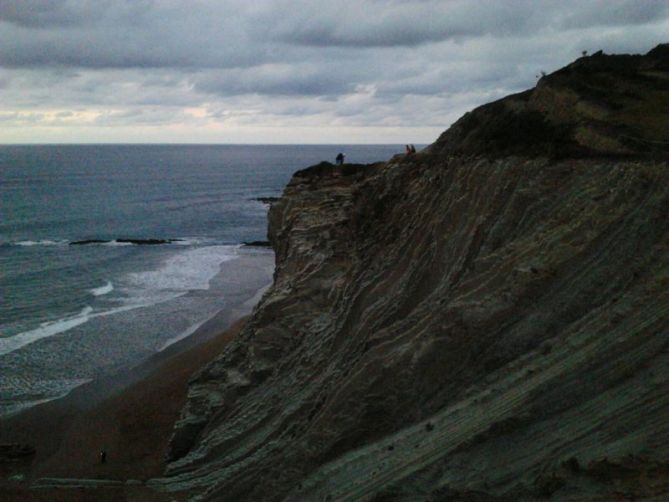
(191, 241)
(45, 329)
(44, 242)
(186, 271)
(102, 290)
(117, 243)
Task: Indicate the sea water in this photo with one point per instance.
(73, 312)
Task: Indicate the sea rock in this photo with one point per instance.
(262, 244)
(485, 319)
(266, 200)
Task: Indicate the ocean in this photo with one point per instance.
(111, 253)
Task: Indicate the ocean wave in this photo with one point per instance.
(193, 241)
(102, 290)
(51, 328)
(184, 334)
(45, 329)
(188, 270)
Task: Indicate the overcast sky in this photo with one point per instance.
(280, 71)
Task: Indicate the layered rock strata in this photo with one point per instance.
(480, 320)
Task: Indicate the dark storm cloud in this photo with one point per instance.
(210, 34)
(122, 34)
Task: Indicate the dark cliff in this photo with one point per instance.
(489, 318)
(601, 105)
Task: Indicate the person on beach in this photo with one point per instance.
(340, 158)
(413, 149)
(408, 149)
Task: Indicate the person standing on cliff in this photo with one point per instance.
(340, 158)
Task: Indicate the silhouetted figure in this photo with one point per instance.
(103, 456)
(408, 149)
(340, 158)
(413, 149)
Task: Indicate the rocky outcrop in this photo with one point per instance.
(485, 319)
(266, 200)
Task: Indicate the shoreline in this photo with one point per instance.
(132, 423)
(232, 292)
(129, 414)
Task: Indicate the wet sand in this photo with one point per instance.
(130, 416)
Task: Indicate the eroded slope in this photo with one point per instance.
(450, 325)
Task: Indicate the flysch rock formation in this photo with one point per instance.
(487, 319)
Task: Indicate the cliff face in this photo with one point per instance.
(485, 319)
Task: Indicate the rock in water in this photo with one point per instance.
(258, 244)
(488, 318)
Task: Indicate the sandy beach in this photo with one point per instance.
(130, 416)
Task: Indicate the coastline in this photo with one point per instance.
(129, 414)
(115, 337)
(132, 421)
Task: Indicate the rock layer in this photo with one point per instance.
(480, 320)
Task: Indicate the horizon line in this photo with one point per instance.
(199, 144)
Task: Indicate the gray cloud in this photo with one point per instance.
(122, 34)
(616, 13)
(285, 80)
(41, 14)
(293, 63)
(392, 24)
(210, 34)
(406, 23)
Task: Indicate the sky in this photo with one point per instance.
(279, 71)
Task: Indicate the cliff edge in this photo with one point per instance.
(486, 319)
(602, 105)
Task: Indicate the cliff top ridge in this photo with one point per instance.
(599, 105)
